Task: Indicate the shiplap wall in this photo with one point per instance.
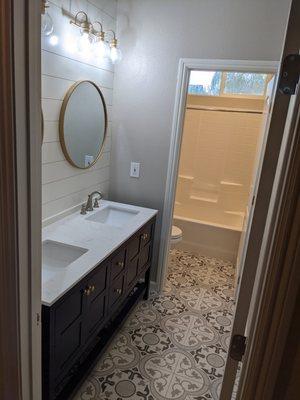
(63, 186)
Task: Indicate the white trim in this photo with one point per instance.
(185, 66)
(26, 27)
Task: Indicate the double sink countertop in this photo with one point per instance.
(75, 245)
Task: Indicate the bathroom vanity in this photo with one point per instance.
(95, 268)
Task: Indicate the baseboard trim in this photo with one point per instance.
(154, 287)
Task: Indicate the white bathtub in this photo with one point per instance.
(209, 239)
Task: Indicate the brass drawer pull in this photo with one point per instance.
(89, 290)
(120, 264)
(118, 291)
(145, 236)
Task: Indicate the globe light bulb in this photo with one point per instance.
(84, 43)
(70, 44)
(47, 24)
(101, 49)
(53, 40)
(115, 55)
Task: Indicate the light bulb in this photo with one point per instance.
(84, 43)
(70, 44)
(47, 24)
(101, 49)
(53, 40)
(115, 55)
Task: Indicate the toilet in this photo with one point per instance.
(176, 235)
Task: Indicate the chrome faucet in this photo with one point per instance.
(89, 203)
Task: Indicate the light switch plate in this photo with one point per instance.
(135, 169)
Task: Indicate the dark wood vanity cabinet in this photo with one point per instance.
(76, 329)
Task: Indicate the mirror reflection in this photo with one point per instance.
(83, 124)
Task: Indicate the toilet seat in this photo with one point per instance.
(176, 232)
(176, 235)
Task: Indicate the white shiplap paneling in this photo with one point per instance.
(64, 186)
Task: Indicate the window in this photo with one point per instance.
(217, 83)
(207, 83)
(245, 83)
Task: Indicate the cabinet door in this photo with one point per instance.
(133, 248)
(68, 327)
(145, 236)
(117, 264)
(98, 282)
(96, 296)
(144, 257)
(132, 270)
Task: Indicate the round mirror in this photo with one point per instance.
(83, 124)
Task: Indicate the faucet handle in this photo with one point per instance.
(89, 204)
(96, 203)
(83, 209)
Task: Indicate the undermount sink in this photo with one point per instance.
(114, 216)
(56, 256)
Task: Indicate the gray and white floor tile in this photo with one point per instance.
(172, 346)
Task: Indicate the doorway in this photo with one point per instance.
(219, 136)
(224, 106)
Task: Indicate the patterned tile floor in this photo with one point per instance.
(172, 346)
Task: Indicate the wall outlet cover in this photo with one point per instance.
(88, 160)
(135, 169)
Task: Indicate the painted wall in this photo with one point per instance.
(154, 35)
(217, 158)
(64, 186)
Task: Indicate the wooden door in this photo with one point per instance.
(278, 133)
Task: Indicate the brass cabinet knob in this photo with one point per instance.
(89, 290)
(145, 236)
(120, 264)
(119, 291)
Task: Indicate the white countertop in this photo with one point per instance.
(99, 239)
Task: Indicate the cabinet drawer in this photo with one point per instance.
(132, 270)
(97, 283)
(116, 290)
(133, 248)
(144, 257)
(117, 264)
(68, 311)
(146, 236)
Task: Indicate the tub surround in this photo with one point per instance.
(218, 157)
(99, 239)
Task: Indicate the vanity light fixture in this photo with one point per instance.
(96, 40)
(115, 52)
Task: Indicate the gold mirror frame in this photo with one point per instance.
(61, 123)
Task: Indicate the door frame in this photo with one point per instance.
(20, 200)
(184, 69)
(10, 359)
